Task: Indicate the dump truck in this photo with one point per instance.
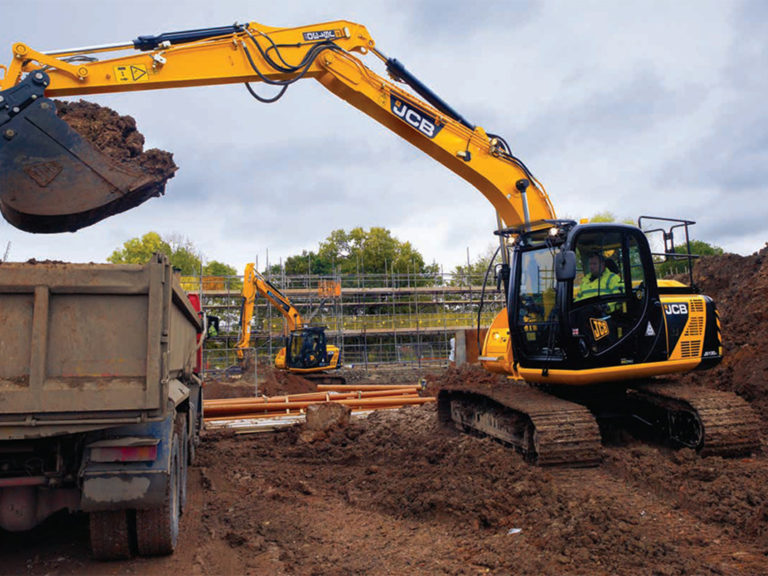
(100, 400)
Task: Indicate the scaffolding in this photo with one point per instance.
(375, 319)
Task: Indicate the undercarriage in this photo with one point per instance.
(550, 430)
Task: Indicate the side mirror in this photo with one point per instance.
(565, 265)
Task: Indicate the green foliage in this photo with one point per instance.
(181, 252)
(140, 250)
(608, 216)
(373, 251)
(475, 272)
(216, 268)
(680, 265)
(701, 248)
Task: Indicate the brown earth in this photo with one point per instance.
(739, 286)
(117, 137)
(396, 494)
(271, 382)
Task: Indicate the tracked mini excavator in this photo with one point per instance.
(306, 351)
(572, 355)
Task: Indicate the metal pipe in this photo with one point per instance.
(91, 49)
(522, 187)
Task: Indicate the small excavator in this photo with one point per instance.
(306, 351)
(571, 361)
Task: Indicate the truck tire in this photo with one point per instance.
(194, 436)
(110, 536)
(157, 529)
(181, 431)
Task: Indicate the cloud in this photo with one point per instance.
(632, 107)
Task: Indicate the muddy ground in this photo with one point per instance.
(397, 494)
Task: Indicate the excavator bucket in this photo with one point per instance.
(53, 180)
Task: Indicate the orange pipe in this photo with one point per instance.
(320, 396)
(346, 387)
(290, 413)
(288, 406)
(302, 404)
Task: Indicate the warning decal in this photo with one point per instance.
(131, 73)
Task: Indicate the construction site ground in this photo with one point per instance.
(397, 494)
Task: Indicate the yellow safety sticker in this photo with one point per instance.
(131, 73)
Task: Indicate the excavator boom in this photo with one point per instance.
(52, 180)
(254, 284)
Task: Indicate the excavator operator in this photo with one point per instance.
(600, 281)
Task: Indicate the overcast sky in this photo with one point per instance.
(629, 107)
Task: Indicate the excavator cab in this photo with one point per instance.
(51, 178)
(584, 304)
(307, 348)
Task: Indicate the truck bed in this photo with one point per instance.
(89, 345)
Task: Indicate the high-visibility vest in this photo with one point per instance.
(606, 283)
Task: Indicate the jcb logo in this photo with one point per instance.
(670, 309)
(599, 328)
(422, 121)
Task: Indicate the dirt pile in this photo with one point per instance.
(271, 382)
(739, 287)
(117, 137)
(398, 494)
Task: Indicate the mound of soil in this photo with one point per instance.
(117, 137)
(279, 382)
(272, 382)
(739, 287)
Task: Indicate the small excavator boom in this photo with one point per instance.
(254, 284)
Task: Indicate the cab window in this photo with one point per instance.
(600, 268)
(537, 313)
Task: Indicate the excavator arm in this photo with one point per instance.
(52, 181)
(254, 284)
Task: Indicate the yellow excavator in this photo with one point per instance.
(588, 329)
(306, 351)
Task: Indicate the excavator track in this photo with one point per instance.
(710, 421)
(547, 430)
(325, 379)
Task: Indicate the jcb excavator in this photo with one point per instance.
(572, 355)
(306, 350)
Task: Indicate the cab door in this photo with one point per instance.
(615, 316)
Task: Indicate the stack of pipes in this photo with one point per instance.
(364, 397)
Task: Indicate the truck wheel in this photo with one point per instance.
(110, 537)
(157, 530)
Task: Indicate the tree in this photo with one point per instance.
(680, 265)
(373, 251)
(180, 251)
(139, 250)
(475, 272)
(607, 216)
(216, 268)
